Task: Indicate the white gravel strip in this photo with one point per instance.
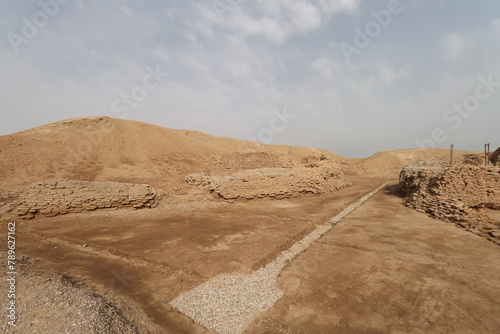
(228, 302)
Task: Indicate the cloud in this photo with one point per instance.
(453, 46)
(80, 4)
(126, 10)
(238, 68)
(276, 20)
(304, 17)
(496, 27)
(192, 38)
(162, 54)
(334, 6)
(327, 68)
(389, 76)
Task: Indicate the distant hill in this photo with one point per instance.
(389, 163)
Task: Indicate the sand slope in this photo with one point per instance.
(388, 163)
(108, 149)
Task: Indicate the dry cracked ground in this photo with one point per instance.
(384, 268)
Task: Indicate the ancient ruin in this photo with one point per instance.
(269, 175)
(495, 157)
(460, 194)
(52, 198)
(227, 164)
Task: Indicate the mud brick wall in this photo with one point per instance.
(456, 194)
(495, 157)
(231, 163)
(452, 192)
(277, 183)
(269, 175)
(52, 198)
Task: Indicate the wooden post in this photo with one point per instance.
(452, 148)
(487, 154)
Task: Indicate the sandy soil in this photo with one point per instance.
(440, 278)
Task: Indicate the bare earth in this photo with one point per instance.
(384, 268)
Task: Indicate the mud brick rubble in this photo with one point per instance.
(459, 194)
(52, 198)
(278, 176)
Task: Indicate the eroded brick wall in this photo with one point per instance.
(52, 198)
(459, 194)
(231, 163)
(277, 183)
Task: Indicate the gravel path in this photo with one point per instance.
(227, 303)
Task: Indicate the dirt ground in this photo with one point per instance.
(388, 269)
(384, 269)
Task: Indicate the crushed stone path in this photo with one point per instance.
(227, 303)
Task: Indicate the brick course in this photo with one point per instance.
(52, 198)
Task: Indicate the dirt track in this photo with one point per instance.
(384, 269)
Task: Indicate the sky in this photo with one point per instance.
(350, 76)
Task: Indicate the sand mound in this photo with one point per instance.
(108, 149)
(389, 163)
(458, 194)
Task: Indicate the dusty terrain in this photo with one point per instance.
(115, 264)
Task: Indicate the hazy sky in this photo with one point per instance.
(351, 76)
